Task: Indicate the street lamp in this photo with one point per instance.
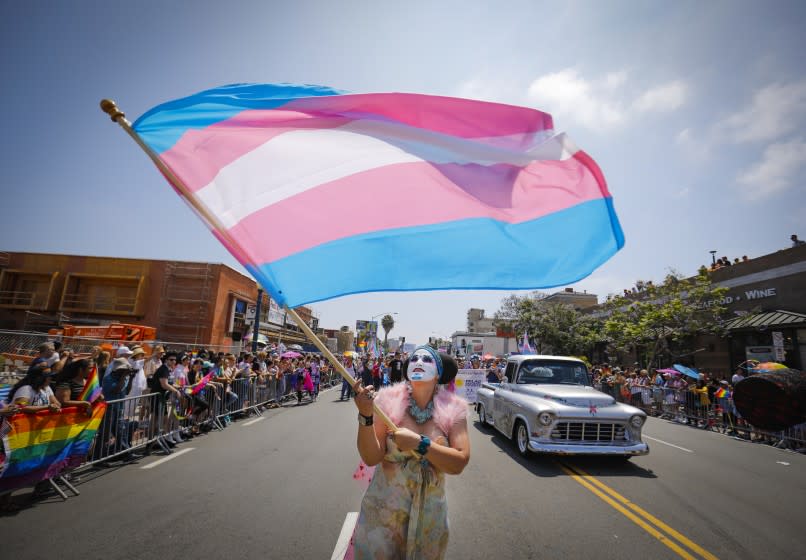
(384, 313)
(713, 257)
(380, 315)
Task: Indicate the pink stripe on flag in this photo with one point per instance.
(465, 118)
(413, 194)
(200, 154)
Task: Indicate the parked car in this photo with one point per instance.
(546, 404)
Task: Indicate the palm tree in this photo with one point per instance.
(388, 323)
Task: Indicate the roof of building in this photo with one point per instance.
(766, 319)
(130, 259)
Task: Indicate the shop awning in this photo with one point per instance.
(767, 319)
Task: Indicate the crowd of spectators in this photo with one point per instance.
(56, 378)
(705, 402)
(724, 262)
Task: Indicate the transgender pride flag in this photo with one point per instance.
(321, 194)
(525, 347)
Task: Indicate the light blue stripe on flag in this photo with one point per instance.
(162, 126)
(574, 242)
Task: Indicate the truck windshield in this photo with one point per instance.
(540, 372)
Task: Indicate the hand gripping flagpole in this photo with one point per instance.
(110, 108)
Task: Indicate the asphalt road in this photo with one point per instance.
(280, 486)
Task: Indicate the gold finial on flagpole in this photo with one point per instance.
(110, 108)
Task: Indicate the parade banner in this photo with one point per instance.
(41, 445)
(369, 327)
(276, 313)
(468, 381)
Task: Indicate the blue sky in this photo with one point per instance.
(695, 111)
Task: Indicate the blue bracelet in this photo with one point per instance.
(425, 443)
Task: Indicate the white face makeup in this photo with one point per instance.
(422, 367)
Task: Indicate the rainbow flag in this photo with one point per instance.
(200, 385)
(92, 388)
(400, 173)
(41, 445)
(722, 393)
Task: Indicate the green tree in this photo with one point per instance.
(555, 328)
(659, 316)
(388, 323)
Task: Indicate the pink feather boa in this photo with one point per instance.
(448, 407)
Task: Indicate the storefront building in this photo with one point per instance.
(766, 300)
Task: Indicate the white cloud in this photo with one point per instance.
(601, 104)
(779, 166)
(776, 110)
(698, 148)
(615, 80)
(666, 97)
(491, 90)
(683, 137)
(567, 94)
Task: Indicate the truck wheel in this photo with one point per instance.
(482, 416)
(521, 438)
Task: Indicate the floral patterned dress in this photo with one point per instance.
(404, 515)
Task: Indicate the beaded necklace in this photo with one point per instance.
(421, 416)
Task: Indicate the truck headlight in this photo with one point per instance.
(545, 418)
(637, 421)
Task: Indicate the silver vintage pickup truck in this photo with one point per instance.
(547, 405)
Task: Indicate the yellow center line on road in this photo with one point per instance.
(646, 515)
(613, 498)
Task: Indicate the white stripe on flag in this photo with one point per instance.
(292, 163)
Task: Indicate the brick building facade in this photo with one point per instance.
(192, 303)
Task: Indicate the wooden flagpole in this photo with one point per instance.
(110, 108)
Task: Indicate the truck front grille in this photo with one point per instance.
(594, 432)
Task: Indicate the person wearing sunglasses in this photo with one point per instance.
(404, 512)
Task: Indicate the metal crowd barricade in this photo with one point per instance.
(265, 390)
(243, 389)
(237, 397)
(133, 423)
(213, 394)
(684, 406)
(128, 425)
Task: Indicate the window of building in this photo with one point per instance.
(101, 294)
(25, 289)
(238, 318)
